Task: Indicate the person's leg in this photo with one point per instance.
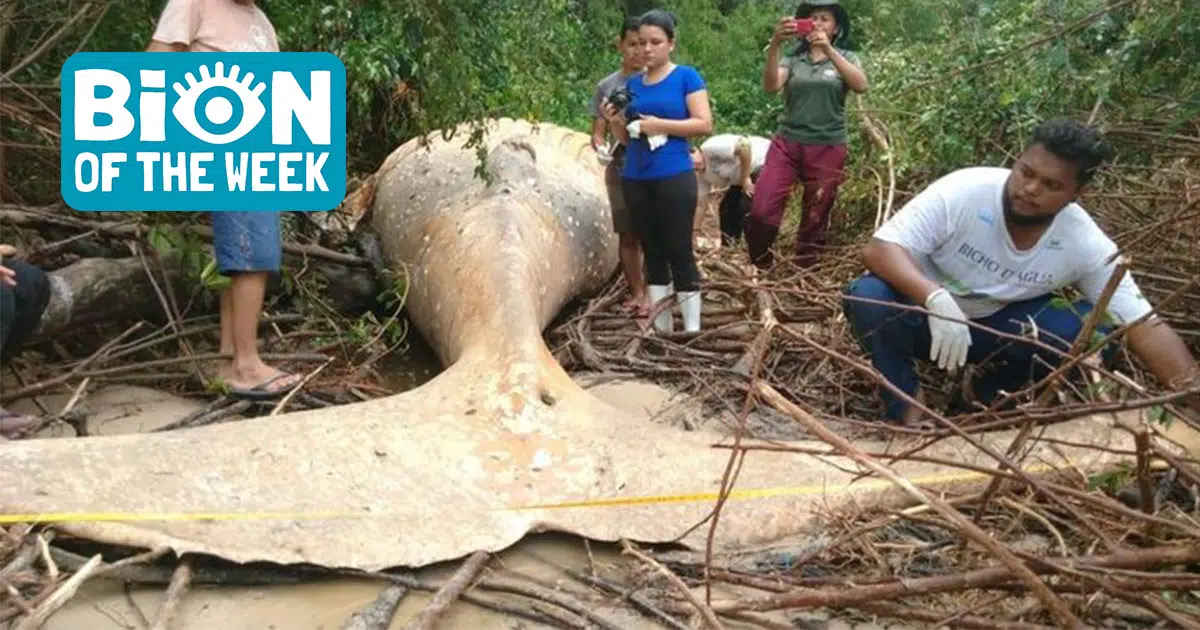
(732, 215)
(707, 200)
(893, 338)
(779, 173)
(639, 195)
(21, 309)
(823, 169)
(676, 201)
(248, 247)
(1009, 364)
(629, 247)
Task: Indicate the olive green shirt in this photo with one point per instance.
(814, 100)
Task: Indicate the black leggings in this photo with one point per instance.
(662, 211)
(735, 205)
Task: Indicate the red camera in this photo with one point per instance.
(804, 26)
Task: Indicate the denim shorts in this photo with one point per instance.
(247, 241)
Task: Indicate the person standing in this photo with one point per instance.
(669, 105)
(729, 165)
(630, 248)
(810, 145)
(248, 245)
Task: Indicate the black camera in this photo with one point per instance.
(620, 99)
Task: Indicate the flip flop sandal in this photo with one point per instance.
(13, 424)
(261, 391)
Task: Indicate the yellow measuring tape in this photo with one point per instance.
(737, 494)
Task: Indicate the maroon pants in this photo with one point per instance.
(820, 169)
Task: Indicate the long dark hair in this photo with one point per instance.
(842, 40)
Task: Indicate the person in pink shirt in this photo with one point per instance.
(248, 246)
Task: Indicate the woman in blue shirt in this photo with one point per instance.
(668, 104)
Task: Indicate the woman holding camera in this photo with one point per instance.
(669, 103)
(810, 144)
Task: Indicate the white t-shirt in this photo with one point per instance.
(723, 167)
(955, 229)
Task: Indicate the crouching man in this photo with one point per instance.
(995, 246)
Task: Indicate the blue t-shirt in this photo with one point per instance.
(665, 99)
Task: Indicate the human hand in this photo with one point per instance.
(603, 154)
(818, 40)
(950, 339)
(8, 276)
(748, 188)
(613, 115)
(652, 126)
(784, 29)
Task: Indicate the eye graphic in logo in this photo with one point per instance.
(219, 109)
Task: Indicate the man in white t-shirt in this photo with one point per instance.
(728, 164)
(993, 246)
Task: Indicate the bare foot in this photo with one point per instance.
(257, 380)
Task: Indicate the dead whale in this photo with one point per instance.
(500, 444)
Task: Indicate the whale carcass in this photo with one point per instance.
(455, 465)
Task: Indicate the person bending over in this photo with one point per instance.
(728, 165)
(993, 246)
(248, 245)
(810, 145)
(630, 249)
(669, 104)
(24, 294)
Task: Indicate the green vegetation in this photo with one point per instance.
(954, 82)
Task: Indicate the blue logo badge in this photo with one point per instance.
(203, 131)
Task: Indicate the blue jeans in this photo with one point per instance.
(247, 241)
(894, 338)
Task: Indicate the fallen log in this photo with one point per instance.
(95, 290)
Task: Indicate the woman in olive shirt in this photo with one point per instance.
(810, 144)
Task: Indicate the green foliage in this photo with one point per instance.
(956, 82)
(1111, 480)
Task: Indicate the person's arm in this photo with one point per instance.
(775, 76)
(923, 225)
(742, 151)
(1167, 356)
(1153, 340)
(854, 77)
(895, 265)
(599, 133)
(599, 124)
(616, 122)
(177, 26)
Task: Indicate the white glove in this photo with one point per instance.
(950, 339)
(604, 155)
(657, 141)
(635, 128)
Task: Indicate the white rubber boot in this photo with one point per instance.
(665, 322)
(689, 304)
